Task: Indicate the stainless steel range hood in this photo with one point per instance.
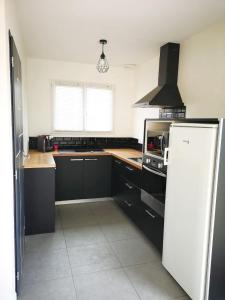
(166, 94)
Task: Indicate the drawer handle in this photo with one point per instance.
(127, 203)
(129, 186)
(91, 158)
(150, 214)
(129, 168)
(76, 159)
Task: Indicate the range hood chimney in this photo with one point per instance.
(166, 94)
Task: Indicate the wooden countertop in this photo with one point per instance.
(37, 159)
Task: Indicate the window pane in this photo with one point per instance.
(98, 109)
(68, 108)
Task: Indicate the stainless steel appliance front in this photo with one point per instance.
(155, 148)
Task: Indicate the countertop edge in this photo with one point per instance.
(39, 160)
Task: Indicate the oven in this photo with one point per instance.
(154, 164)
(155, 148)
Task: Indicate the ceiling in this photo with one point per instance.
(70, 29)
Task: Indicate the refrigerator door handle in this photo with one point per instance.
(165, 158)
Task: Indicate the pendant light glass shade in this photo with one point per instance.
(102, 65)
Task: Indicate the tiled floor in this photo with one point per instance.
(96, 253)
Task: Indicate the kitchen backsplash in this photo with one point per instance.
(172, 113)
(97, 142)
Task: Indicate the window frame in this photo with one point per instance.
(84, 85)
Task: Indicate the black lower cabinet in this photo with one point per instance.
(39, 194)
(97, 177)
(83, 177)
(127, 186)
(69, 178)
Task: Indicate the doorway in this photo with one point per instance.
(17, 136)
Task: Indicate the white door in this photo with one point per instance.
(188, 204)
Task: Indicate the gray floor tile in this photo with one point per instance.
(92, 258)
(84, 235)
(107, 212)
(46, 241)
(59, 289)
(103, 205)
(58, 225)
(45, 265)
(119, 231)
(151, 281)
(110, 285)
(99, 240)
(76, 214)
(134, 251)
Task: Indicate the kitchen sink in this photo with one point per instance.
(137, 159)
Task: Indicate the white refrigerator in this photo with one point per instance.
(191, 243)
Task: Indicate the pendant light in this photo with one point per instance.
(102, 65)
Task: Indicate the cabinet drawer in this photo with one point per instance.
(128, 194)
(127, 171)
(151, 224)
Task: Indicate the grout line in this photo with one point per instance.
(125, 273)
(75, 290)
(74, 285)
(139, 296)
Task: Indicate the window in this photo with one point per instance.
(82, 108)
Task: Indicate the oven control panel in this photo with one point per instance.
(154, 162)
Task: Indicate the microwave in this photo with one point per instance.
(155, 146)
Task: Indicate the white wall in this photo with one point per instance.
(7, 257)
(201, 77)
(40, 73)
(146, 79)
(202, 72)
(201, 83)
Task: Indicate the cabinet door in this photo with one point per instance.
(39, 191)
(97, 177)
(69, 178)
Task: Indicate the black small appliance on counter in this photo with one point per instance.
(45, 143)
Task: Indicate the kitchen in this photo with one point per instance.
(92, 213)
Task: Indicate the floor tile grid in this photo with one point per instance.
(74, 281)
(61, 228)
(126, 274)
(67, 247)
(107, 242)
(124, 268)
(30, 288)
(131, 265)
